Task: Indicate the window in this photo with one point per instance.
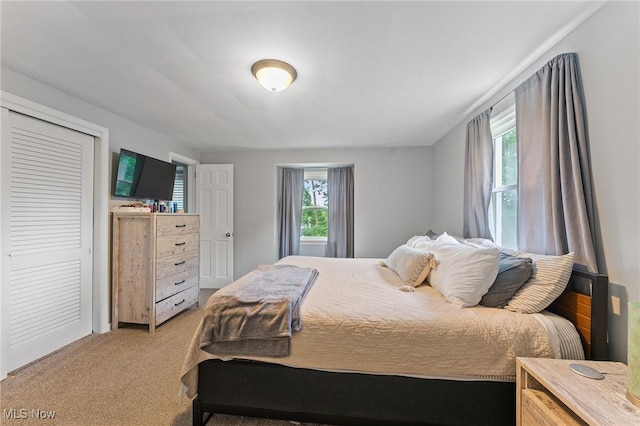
(315, 205)
(180, 186)
(503, 209)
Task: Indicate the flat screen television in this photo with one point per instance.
(142, 177)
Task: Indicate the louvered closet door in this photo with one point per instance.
(47, 191)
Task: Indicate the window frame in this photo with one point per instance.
(503, 121)
(190, 170)
(185, 185)
(314, 174)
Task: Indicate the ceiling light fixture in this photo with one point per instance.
(274, 75)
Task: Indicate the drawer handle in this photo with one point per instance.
(179, 303)
(180, 282)
(181, 226)
(180, 263)
(180, 244)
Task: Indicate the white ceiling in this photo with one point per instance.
(374, 74)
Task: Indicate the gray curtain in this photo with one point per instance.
(290, 212)
(478, 177)
(555, 202)
(340, 232)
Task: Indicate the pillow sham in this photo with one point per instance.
(463, 273)
(513, 272)
(549, 278)
(445, 238)
(483, 242)
(420, 242)
(412, 265)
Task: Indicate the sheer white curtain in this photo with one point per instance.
(555, 202)
(478, 177)
(340, 232)
(290, 211)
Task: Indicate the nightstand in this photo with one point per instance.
(549, 393)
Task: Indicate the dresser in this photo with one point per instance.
(549, 393)
(155, 266)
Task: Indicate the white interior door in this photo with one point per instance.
(214, 202)
(47, 236)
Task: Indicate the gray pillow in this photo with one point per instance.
(432, 235)
(512, 274)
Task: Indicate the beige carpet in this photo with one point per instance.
(124, 377)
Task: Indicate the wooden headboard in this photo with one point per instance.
(585, 304)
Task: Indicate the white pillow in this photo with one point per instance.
(482, 242)
(445, 238)
(463, 273)
(412, 265)
(420, 242)
(549, 278)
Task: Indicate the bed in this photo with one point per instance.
(365, 355)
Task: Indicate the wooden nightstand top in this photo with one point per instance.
(597, 402)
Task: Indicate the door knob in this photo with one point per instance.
(228, 234)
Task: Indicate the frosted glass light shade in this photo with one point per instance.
(274, 75)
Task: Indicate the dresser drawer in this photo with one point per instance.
(172, 265)
(177, 224)
(177, 244)
(541, 409)
(173, 284)
(175, 304)
(155, 266)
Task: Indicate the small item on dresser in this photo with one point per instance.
(407, 288)
(162, 207)
(586, 371)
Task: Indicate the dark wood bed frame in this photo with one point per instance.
(274, 391)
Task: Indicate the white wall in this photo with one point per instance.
(392, 197)
(608, 48)
(123, 132)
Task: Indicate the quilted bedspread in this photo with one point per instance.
(356, 319)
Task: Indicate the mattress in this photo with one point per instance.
(355, 318)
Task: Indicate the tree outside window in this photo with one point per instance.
(315, 208)
(503, 209)
(505, 192)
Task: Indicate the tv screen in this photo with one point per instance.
(139, 176)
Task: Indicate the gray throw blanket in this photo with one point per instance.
(256, 314)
